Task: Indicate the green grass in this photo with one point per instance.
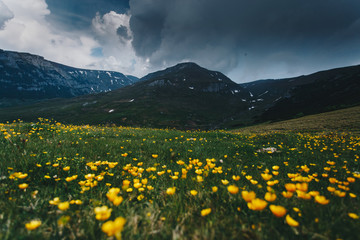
(344, 120)
(43, 149)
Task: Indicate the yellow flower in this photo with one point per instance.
(236, 178)
(322, 200)
(55, 201)
(287, 194)
(302, 187)
(270, 197)
(63, 206)
(350, 179)
(155, 155)
(257, 204)
(254, 182)
(266, 176)
(303, 195)
(352, 195)
(275, 167)
(33, 224)
(225, 182)
(102, 213)
(353, 215)
(214, 189)
(193, 192)
(24, 175)
(115, 227)
(205, 211)
(118, 200)
(248, 196)
(233, 189)
(171, 191)
(112, 193)
(290, 187)
(278, 211)
(23, 185)
(67, 168)
(291, 222)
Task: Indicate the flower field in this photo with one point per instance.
(84, 182)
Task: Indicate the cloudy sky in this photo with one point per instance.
(245, 39)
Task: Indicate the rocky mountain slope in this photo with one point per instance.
(295, 97)
(187, 96)
(26, 78)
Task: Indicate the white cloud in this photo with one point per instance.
(113, 32)
(29, 31)
(5, 14)
(26, 29)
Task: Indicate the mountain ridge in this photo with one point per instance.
(188, 96)
(27, 77)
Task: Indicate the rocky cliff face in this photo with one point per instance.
(25, 77)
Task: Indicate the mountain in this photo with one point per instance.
(187, 96)
(184, 96)
(26, 78)
(315, 93)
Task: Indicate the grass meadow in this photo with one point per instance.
(95, 182)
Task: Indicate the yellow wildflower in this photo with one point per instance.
(23, 185)
(233, 189)
(205, 211)
(270, 197)
(225, 182)
(353, 215)
(33, 224)
(115, 227)
(290, 187)
(193, 192)
(63, 206)
(248, 196)
(171, 191)
(322, 200)
(291, 222)
(257, 204)
(102, 213)
(278, 211)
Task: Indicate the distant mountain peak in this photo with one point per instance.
(191, 78)
(25, 78)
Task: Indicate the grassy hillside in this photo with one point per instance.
(344, 120)
(84, 182)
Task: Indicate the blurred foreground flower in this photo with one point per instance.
(353, 215)
(33, 224)
(23, 185)
(205, 211)
(233, 189)
(102, 213)
(171, 191)
(248, 196)
(64, 206)
(278, 211)
(292, 222)
(114, 228)
(257, 204)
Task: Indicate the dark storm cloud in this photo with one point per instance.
(77, 14)
(122, 31)
(250, 35)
